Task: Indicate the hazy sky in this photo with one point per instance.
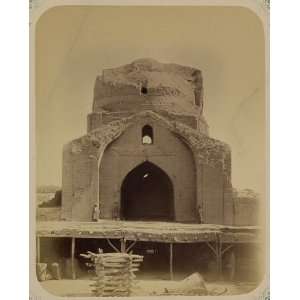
(74, 44)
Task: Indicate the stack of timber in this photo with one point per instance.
(114, 273)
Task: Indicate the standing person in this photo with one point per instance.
(200, 214)
(95, 214)
(116, 211)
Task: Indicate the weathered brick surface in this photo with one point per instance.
(96, 119)
(167, 152)
(48, 214)
(246, 209)
(228, 206)
(199, 167)
(212, 194)
(194, 181)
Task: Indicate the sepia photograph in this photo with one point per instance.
(150, 149)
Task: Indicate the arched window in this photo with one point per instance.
(144, 90)
(147, 135)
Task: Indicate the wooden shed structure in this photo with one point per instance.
(218, 238)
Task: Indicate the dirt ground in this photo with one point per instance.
(81, 288)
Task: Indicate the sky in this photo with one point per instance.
(74, 44)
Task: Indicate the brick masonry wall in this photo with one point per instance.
(77, 197)
(192, 182)
(48, 213)
(212, 193)
(246, 212)
(167, 152)
(95, 120)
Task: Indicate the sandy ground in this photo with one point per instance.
(81, 288)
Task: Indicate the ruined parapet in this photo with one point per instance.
(146, 84)
(114, 273)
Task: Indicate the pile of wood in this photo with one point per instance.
(114, 273)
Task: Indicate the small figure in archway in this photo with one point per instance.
(116, 211)
(200, 213)
(96, 213)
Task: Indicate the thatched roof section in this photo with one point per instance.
(149, 231)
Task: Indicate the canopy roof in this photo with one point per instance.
(168, 232)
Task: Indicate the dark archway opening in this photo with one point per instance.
(147, 194)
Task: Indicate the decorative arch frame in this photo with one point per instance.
(205, 150)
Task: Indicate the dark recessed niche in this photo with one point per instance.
(144, 90)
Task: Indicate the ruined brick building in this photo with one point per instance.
(148, 150)
(161, 183)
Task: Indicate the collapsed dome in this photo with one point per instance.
(149, 84)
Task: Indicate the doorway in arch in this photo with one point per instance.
(147, 194)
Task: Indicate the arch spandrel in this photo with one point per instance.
(205, 149)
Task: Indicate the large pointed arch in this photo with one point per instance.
(208, 152)
(147, 194)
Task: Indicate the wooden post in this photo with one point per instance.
(112, 245)
(72, 258)
(38, 249)
(219, 259)
(171, 262)
(123, 245)
(217, 250)
(232, 264)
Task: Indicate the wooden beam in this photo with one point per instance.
(72, 258)
(123, 245)
(130, 246)
(212, 248)
(226, 249)
(171, 262)
(112, 245)
(38, 249)
(217, 250)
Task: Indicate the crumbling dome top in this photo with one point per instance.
(147, 82)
